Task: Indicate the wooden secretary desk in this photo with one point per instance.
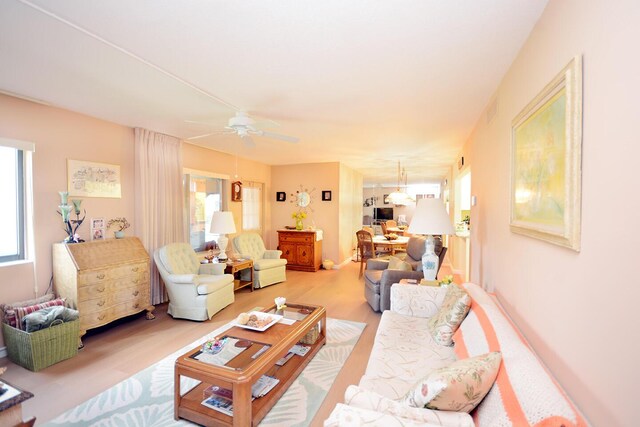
(104, 279)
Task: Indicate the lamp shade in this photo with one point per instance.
(431, 217)
(222, 223)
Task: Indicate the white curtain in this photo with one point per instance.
(252, 207)
(159, 199)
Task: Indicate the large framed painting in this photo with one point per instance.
(90, 179)
(546, 145)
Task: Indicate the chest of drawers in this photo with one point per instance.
(301, 249)
(104, 280)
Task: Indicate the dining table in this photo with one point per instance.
(392, 245)
(396, 230)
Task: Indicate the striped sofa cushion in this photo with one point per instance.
(524, 392)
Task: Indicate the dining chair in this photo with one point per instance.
(383, 224)
(366, 248)
(391, 224)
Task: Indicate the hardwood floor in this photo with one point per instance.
(117, 351)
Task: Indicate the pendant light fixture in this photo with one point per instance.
(400, 197)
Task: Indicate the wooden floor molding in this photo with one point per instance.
(117, 351)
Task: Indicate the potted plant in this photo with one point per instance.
(121, 224)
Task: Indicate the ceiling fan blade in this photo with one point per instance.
(199, 136)
(248, 141)
(287, 138)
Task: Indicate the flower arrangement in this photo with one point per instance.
(299, 215)
(446, 280)
(120, 222)
(70, 226)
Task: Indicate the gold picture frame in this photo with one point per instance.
(546, 151)
(91, 179)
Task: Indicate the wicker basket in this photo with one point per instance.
(37, 350)
(312, 335)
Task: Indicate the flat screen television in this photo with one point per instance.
(383, 213)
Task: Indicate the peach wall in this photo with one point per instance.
(203, 159)
(58, 135)
(575, 308)
(315, 177)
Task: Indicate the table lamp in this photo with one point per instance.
(430, 217)
(222, 223)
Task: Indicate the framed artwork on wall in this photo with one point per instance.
(385, 199)
(90, 179)
(326, 195)
(236, 191)
(281, 196)
(546, 146)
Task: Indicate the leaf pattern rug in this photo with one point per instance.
(146, 398)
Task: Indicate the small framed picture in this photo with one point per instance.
(281, 196)
(97, 228)
(97, 223)
(97, 234)
(386, 199)
(326, 195)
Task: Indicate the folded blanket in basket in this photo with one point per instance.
(44, 318)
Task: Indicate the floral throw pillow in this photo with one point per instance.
(458, 387)
(451, 314)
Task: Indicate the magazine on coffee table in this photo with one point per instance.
(221, 399)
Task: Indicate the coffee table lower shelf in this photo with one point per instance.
(189, 406)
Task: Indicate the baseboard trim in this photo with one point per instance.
(342, 264)
(3, 352)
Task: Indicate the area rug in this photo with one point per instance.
(146, 398)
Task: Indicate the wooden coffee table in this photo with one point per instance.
(241, 372)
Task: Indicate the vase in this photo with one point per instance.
(299, 225)
(119, 234)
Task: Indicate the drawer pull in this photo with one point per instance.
(136, 305)
(101, 276)
(136, 281)
(102, 316)
(101, 303)
(101, 289)
(136, 293)
(134, 269)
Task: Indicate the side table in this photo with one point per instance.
(422, 282)
(236, 267)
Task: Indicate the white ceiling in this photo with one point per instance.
(363, 82)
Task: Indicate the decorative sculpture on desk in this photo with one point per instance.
(70, 225)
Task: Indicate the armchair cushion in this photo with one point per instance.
(216, 268)
(272, 254)
(179, 258)
(266, 263)
(398, 264)
(182, 278)
(250, 245)
(377, 264)
(207, 284)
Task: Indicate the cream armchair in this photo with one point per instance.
(268, 267)
(196, 291)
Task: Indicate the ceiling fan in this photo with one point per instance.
(245, 127)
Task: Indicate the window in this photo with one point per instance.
(204, 197)
(252, 207)
(15, 169)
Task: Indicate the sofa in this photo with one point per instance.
(404, 352)
(378, 278)
(268, 267)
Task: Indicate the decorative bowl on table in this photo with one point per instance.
(391, 236)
